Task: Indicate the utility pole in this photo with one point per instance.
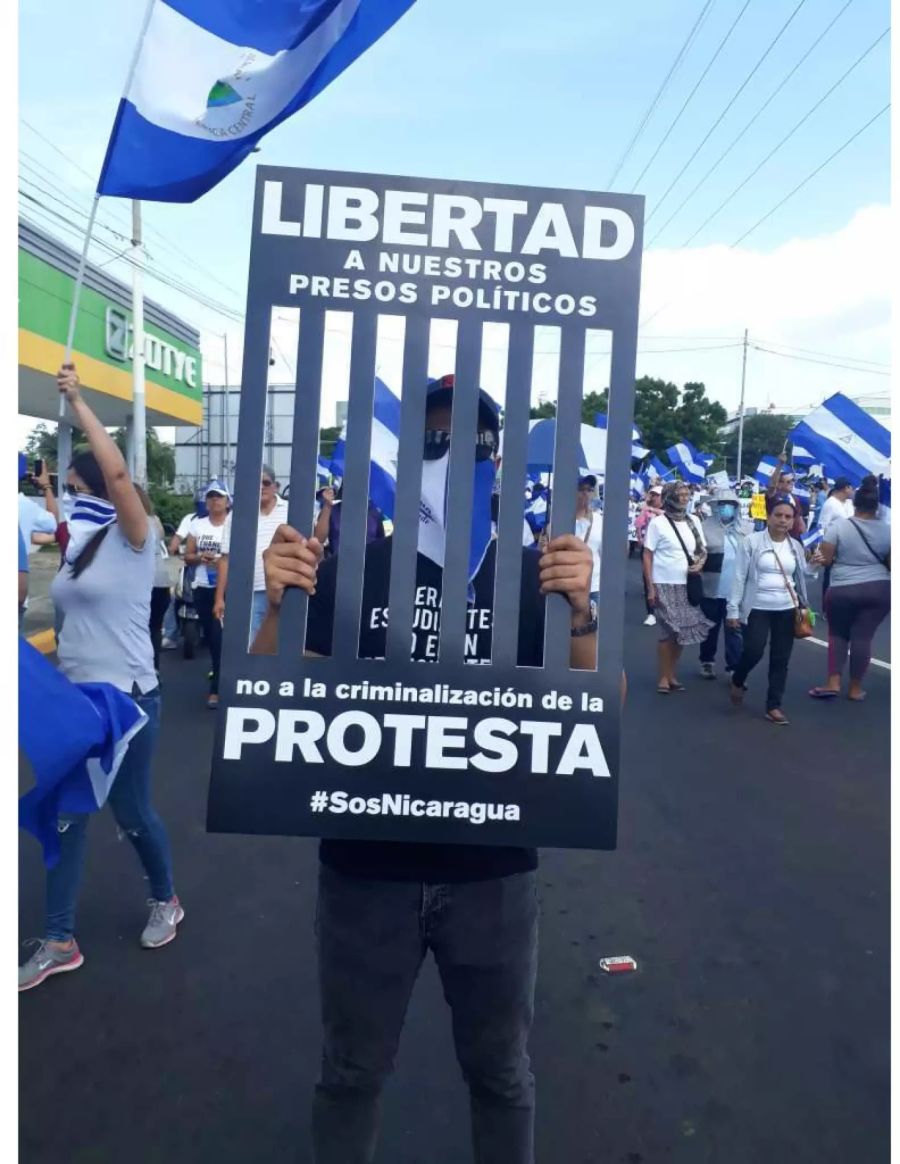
(740, 448)
(226, 465)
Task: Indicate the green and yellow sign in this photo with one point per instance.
(103, 344)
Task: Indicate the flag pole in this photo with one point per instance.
(76, 293)
(139, 387)
(64, 433)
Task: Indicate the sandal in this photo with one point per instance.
(737, 694)
(857, 698)
(664, 689)
(676, 686)
(778, 717)
(824, 693)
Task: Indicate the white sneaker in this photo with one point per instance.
(650, 620)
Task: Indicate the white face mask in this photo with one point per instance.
(433, 508)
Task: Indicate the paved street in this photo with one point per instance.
(751, 884)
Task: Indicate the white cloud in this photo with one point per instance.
(830, 293)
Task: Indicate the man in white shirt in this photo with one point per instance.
(272, 513)
(838, 504)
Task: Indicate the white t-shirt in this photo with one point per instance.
(184, 527)
(833, 510)
(593, 541)
(265, 531)
(34, 518)
(670, 565)
(209, 541)
(771, 592)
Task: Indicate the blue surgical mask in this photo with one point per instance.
(727, 512)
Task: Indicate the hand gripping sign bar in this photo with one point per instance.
(520, 750)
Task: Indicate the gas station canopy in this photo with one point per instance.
(103, 341)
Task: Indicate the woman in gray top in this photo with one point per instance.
(858, 550)
(103, 589)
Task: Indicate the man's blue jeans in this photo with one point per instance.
(257, 612)
(372, 939)
(715, 611)
(129, 799)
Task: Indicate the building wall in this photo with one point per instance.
(202, 453)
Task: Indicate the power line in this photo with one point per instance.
(176, 248)
(827, 355)
(690, 95)
(778, 205)
(811, 175)
(827, 363)
(168, 280)
(660, 91)
(787, 136)
(765, 105)
(715, 125)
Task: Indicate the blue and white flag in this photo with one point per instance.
(323, 470)
(801, 457)
(655, 468)
(884, 498)
(385, 450)
(846, 439)
(691, 464)
(812, 538)
(214, 76)
(75, 735)
(765, 469)
(536, 513)
(638, 452)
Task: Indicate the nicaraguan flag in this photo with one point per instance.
(536, 513)
(812, 538)
(75, 735)
(323, 470)
(845, 438)
(638, 452)
(213, 76)
(801, 457)
(884, 498)
(691, 463)
(655, 468)
(765, 469)
(385, 450)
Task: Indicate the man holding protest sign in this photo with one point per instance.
(383, 905)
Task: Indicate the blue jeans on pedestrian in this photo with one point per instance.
(170, 621)
(257, 612)
(372, 939)
(129, 799)
(715, 611)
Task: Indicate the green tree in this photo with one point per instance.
(160, 457)
(764, 436)
(41, 442)
(544, 411)
(328, 437)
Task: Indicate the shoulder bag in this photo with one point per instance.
(886, 560)
(694, 581)
(803, 627)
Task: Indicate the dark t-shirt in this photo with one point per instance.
(402, 860)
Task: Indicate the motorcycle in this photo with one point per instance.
(186, 612)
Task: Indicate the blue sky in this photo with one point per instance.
(508, 91)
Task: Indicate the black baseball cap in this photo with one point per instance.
(440, 391)
(589, 480)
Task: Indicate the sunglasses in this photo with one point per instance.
(437, 443)
(266, 481)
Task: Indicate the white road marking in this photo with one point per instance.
(823, 643)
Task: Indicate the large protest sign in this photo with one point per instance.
(383, 747)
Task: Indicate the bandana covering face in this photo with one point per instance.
(89, 514)
(671, 504)
(433, 514)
